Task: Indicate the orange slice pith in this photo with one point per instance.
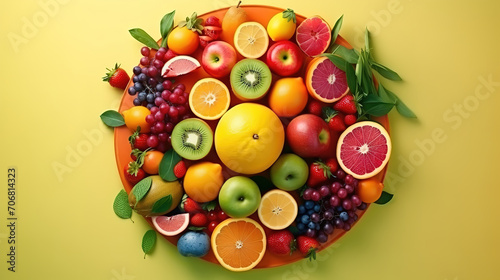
(209, 99)
(239, 244)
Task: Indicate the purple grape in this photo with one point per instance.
(328, 228)
(307, 194)
(347, 204)
(315, 217)
(349, 188)
(324, 190)
(322, 237)
(315, 196)
(335, 187)
(137, 70)
(334, 201)
(340, 174)
(311, 232)
(342, 193)
(328, 215)
(356, 200)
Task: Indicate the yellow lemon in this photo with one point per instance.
(249, 138)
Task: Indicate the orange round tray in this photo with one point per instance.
(260, 14)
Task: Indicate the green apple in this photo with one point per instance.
(289, 172)
(239, 197)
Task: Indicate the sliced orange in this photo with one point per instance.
(277, 210)
(251, 39)
(209, 99)
(239, 243)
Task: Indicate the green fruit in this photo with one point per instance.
(192, 138)
(289, 172)
(159, 190)
(239, 197)
(250, 79)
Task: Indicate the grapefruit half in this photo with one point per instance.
(325, 81)
(179, 65)
(363, 149)
(171, 225)
(313, 36)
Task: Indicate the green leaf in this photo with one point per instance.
(351, 79)
(120, 205)
(335, 31)
(384, 198)
(162, 205)
(167, 163)
(337, 60)
(148, 241)
(401, 107)
(350, 55)
(385, 72)
(375, 106)
(112, 118)
(166, 26)
(289, 15)
(143, 37)
(141, 189)
(367, 41)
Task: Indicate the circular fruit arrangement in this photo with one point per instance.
(243, 144)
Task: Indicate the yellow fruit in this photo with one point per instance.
(209, 99)
(203, 181)
(136, 116)
(238, 244)
(277, 209)
(249, 138)
(251, 39)
(282, 25)
(234, 16)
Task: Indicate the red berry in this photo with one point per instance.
(314, 107)
(307, 246)
(350, 119)
(212, 215)
(117, 77)
(133, 173)
(212, 21)
(336, 123)
(211, 226)
(346, 105)
(212, 32)
(180, 169)
(199, 220)
(281, 242)
(190, 206)
(221, 215)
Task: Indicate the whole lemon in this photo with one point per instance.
(282, 25)
(203, 181)
(249, 138)
(136, 116)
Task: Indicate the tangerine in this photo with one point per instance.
(288, 96)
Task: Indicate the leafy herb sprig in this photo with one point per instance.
(372, 98)
(166, 26)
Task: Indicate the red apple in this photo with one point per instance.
(218, 58)
(309, 136)
(284, 58)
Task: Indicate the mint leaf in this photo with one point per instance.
(384, 198)
(148, 241)
(162, 205)
(375, 106)
(141, 189)
(167, 163)
(143, 37)
(335, 31)
(112, 118)
(385, 72)
(166, 26)
(400, 105)
(351, 79)
(337, 60)
(350, 55)
(120, 205)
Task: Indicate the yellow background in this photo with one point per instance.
(442, 223)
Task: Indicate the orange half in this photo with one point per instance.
(209, 99)
(239, 244)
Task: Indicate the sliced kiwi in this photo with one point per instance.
(250, 79)
(192, 138)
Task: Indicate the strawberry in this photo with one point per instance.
(180, 169)
(190, 206)
(318, 173)
(307, 246)
(332, 165)
(281, 242)
(117, 77)
(314, 107)
(138, 140)
(350, 119)
(198, 220)
(212, 32)
(346, 105)
(169, 55)
(133, 173)
(212, 21)
(336, 123)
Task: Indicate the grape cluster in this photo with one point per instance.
(167, 102)
(335, 205)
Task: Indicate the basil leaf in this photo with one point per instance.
(351, 79)
(162, 205)
(375, 106)
(367, 41)
(121, 207)
(166, 26)
(385, 72)
(335, 31)
(384, 96)
(148, 241)
(142, 188)
(350, 55)
(401, 107)
(143, 37)
(384, 198)
(112, 118)
(337, 60)
(167, 163)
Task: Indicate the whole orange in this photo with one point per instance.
(152, 161)
(370, 190)
(203, 181)
(136, 116)
(288, 97)
(183, 40)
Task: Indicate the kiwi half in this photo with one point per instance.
(192, 138)
(250, 79)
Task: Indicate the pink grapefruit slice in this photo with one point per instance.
(171, 225)
(179, 65)
(325, 81)
(313, 36)
(363, 149)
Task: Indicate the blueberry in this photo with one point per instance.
(305, 219)
(310, 212)
(311, 225)
(193, 244)
(344, 216)
(302, 209)
(317, 208)
(301, 227)
(339, 208)
(309, 204)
